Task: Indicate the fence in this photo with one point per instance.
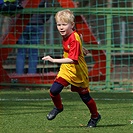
(107, 32)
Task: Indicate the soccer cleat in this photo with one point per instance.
(93, 121)
(52, 114)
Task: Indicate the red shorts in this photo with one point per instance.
(73, 88)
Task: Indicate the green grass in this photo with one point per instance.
(25, 112)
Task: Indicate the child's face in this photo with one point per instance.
(65, 28)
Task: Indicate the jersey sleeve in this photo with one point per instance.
(74, 51)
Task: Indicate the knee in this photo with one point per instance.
(85, 97)
(52, 92)
(56, 88)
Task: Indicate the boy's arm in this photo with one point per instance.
(62, 60)
(85, 51)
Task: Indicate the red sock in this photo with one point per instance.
(93, 109)
(57, 101)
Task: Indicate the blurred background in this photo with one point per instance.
(107, 29)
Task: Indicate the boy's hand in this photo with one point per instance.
(48, 58)
(85, 51)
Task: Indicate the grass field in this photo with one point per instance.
(25, 112)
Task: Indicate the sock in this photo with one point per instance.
(57, 101)
(93, 109)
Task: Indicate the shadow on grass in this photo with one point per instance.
(112, 125)
(99, 126)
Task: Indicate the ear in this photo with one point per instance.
(73, 24)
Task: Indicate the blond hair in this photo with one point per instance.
(65, 15)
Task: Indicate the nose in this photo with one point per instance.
(61, 27)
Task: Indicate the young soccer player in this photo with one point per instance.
(73, 68)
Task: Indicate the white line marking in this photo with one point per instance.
(111, 99)
(48, 99)
(19, 99)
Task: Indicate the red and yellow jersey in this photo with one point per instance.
(75, 73)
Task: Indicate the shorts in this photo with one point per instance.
(73, 88)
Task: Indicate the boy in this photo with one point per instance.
(73, 68)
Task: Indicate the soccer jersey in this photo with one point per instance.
(75, 73)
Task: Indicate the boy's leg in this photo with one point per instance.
(55, 95)
(56, 100)
(87, 99)
(95, 116)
